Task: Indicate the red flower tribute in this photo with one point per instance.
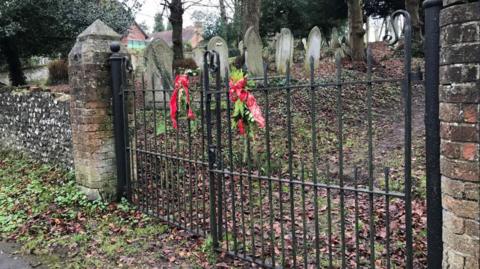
(246, 110)
(181, 94)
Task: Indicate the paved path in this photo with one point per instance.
(10, 260)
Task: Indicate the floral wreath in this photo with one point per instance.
(246, 110)
(180, 93)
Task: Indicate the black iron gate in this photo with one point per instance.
(311, 189)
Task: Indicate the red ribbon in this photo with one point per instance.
(237, 91)
(181, 82)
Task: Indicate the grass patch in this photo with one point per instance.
(42, 209)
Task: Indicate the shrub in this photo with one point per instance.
(57, 72)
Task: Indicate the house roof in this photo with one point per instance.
(135, 24)
(187, 35)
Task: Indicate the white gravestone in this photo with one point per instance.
(253, 55)
(220, 46)
(284, 50)
(313, 48)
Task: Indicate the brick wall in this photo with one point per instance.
(38, 124)
(460, 133)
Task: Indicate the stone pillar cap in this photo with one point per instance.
(99, 29)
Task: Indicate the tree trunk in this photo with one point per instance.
(176, 20)
(9, 50)
(356, 31)
(223, 12)
(413, 7)
(251, 15)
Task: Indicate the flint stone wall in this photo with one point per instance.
(460, 133)
(37, 123)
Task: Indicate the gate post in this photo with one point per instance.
(432, 126)
(209, 65)
(118, 80)
(91, 112)
(460, 132)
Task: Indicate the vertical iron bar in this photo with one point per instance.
(211, 149)
(329, 217)
(147, 156)
(315, 161)
(154, 174)
(387, 214)
(370, 157)
(340, 157)
(432, 127)
(250, 193)
(219, 151)
(304, 219)
(290, 168)
(116, 71)
(407, 90)
(269, 161)
(230, 157)
(357, 224)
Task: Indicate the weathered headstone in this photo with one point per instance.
(284, 50)
(241, 47)
(198, 54)
(339, 46)
(253, 55)
(220, 46)
(313, 48)
(334, 39)
(158, 58)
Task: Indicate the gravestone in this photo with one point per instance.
(313, 48)
(158, 58)
(339, 47)
(334, 39)
(198, 54)
(241, 47)
(284, 50)
(253, 55)
(220, 46)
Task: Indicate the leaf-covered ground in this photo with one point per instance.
(267, 213)
(43, 211)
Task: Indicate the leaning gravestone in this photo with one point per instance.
(313, 48)
(158, 58)
(220, 46)
(284, 50)
(253, 55)
(198, 54)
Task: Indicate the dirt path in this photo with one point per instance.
(9, 259)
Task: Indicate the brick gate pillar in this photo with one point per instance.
(459, 131)
(91, 112)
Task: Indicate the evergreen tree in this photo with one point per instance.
(159, 25)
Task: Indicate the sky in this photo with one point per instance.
(151, 7)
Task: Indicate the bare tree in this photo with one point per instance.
(356, 31)
(223, 12)
(413, 7)
(176, 9)
(251, 14)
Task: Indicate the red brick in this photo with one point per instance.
(460, 169)
(470, 113)
(459, 132)
(470, 151)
